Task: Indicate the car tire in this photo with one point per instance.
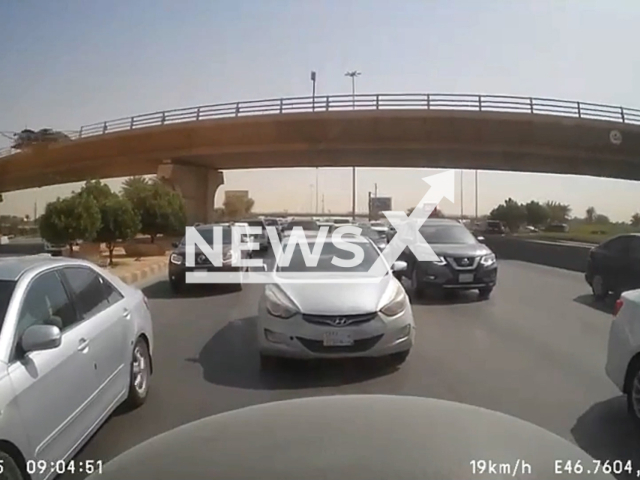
(485, 292)
(268, 362)
(10, 468)
(633, 392)
(397, 359)
(599, 287)
(176, 286)
(140, 373)
(417, 287)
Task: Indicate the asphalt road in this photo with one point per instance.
(536, 350)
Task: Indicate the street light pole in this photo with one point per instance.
(461, 194)
(313, 91)
(353, 74)
(317, 191)
(476, 189)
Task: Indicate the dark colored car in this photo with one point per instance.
(177, 261)
(262, 238)
(306, 225)
(494, 227)
(614, 266)
(464, 263)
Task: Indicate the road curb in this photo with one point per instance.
(143, 273)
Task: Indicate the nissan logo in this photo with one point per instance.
(464, 261)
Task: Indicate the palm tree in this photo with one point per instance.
(591, 214)
(558, 212)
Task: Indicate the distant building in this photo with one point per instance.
(378, 205)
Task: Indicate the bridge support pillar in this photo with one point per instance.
(197, 186)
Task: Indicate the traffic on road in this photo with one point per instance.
(452, 329)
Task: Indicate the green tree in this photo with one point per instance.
(134, 187)
(238, 207)
(558, 212)
(69, 219)
(100, 192)
(600, 219)
(119, 221)
(536, 213)
(511, 213)
(590, 215)
(161, 210)
(635, 220)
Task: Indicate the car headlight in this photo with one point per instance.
(277, 304)
(176, 259)
(398, 303)
(488, 260)
(440, 261)
(229, 256)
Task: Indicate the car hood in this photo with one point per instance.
(340, 298)
(459, 250)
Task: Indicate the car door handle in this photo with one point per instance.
(126, 313)
(83, 344)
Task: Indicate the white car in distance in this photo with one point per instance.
(344, 315)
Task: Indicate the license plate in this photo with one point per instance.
(337, 339)
(465, 278)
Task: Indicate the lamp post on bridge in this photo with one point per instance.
(353, 74)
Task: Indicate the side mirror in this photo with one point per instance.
(481, 239)
(175, 244)
(399, 266)
(41, 337)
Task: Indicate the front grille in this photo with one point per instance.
(464, 262)
(316, 346)
(339, 320)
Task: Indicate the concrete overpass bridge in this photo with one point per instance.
(189, 148)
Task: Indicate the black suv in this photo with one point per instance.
(464, 263)
(177, 261)
(614, 266)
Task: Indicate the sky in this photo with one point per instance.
(74, 62)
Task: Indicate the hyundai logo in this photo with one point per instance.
(340, 321)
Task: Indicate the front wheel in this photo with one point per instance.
(139, 376)
(599, 288)
(397, 359)
(485, 292)
(10, 469)
(633, 393)
(417, 286)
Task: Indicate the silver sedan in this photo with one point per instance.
(75, 343)
(330, 311)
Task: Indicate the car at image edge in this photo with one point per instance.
(76, 342)
(614, 266)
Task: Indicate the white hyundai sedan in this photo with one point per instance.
(329, 311)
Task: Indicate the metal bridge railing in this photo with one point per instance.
(380, 101)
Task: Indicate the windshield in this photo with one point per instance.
(304, 224)
(447, 234)
(329, 251)
(207, 235)
(6, 290)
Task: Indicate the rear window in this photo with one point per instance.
(6, 290)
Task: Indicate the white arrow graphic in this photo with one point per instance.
(408, 228)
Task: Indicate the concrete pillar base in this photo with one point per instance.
(197, 185)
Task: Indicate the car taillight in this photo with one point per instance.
(617, 306)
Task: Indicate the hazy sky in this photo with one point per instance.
(72, 62)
